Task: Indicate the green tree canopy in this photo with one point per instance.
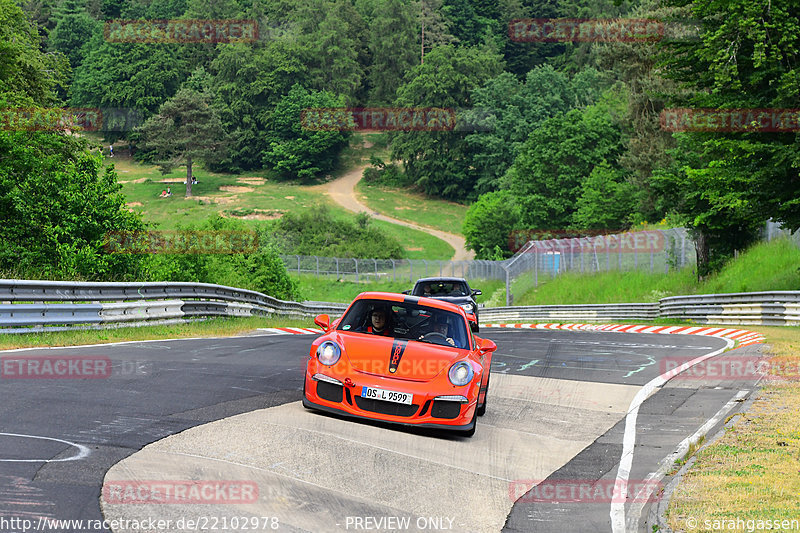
(723, 183)
(438, 162)
(296, 152)
(548, 175)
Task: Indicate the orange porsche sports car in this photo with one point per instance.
(401, 359)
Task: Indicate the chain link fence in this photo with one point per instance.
(650, 250)
(362, 270)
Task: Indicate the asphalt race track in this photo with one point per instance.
(227, 410)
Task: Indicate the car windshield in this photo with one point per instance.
(441, 288)
(406, 320)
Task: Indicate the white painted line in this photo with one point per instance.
(83, 451)
(668, 462)
(629, 439)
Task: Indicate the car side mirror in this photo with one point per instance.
(407, 291)
(323, 321)
(486, 345)
(476, 292)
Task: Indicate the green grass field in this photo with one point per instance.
(414, 207)
(255, 197)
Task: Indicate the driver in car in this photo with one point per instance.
(441, 328)
(379, 324)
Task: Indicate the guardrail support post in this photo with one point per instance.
(508, 288)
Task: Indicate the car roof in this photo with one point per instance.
(397, 297)
(440, 278)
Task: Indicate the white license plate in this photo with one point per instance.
(387, 395)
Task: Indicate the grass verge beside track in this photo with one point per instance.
(768, 266)
(752, 472)
(213, 327)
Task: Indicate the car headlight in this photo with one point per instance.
(466, 307)
(461, 373)
(328, 353)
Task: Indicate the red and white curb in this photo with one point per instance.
(743, 336)
(292, 331)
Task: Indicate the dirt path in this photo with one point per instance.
(342, 191)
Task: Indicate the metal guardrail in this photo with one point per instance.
(772, 308)
(25, 303)
(40, 303)
(589, 312)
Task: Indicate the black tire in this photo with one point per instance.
(481, 409)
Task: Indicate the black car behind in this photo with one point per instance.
(453, 290)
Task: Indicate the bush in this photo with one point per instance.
(318, 232)
(382, 174)
(488, 225)
(259, 270)
(58, 206)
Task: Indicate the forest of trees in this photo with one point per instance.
(574, 139)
